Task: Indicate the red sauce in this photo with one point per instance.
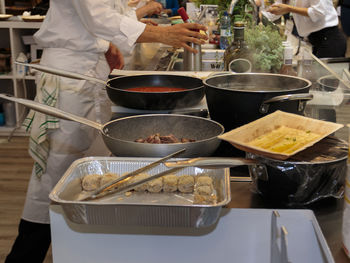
(156, 89)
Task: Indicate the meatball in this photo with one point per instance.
(186, 184)
(204, 181)
(170, 183)
(155, 185)
(136, 178)
(108, 177)
(203, 190)
(91, 182)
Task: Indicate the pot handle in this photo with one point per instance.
(62, 73)
(241, 179)
(52, 111)
(241, 63)
(257, 170)
(221, 73)
(302, 97)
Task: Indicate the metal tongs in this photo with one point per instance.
(211, 162)
(116, 186)
(214, 163)
(112, 187)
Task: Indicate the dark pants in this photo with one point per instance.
(345, 18)
(329, 42)
(31, 244)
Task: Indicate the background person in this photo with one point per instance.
(345, 16)
(171, 7)
(318, 21)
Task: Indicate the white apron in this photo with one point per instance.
(71, 140)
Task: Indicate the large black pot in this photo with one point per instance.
(237, 99)
(313, 174)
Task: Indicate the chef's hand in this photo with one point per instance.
(279, 9)
(168, 11)
(133, 3)
(151, 8)
(114, 57)
(180, 35)
(148, 22)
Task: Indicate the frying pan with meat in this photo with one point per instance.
(190, 89)
(120, 135)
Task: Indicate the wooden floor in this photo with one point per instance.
(15, 169)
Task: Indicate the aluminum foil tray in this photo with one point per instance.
(140, 208)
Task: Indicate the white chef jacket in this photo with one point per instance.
(81, 24)
(322, 14)
(122, 7)
(75, 36)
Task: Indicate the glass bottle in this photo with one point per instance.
(287, 67)
(237, 50)
(306, 69)
(225, 30)
(282, 28)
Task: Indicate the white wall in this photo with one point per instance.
(2, 6)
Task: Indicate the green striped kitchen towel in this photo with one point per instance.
(38, 124)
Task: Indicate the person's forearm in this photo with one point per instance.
(177, 35)
(141, 12)
(298, 10)
(281, 9)
(150, 34)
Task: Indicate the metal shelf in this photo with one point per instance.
(12, 32)
(6, 76)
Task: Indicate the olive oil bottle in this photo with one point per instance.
(238, 51)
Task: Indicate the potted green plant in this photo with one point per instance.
(265, 44)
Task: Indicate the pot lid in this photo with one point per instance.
(329, 149)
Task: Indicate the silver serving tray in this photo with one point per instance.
(140, 208)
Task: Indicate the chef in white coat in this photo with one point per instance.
(316, 20)
(80, 36)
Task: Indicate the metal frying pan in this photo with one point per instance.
(119, 135)
(118, 89)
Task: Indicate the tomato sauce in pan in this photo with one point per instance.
(156, 89)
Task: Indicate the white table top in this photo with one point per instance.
(241, 235)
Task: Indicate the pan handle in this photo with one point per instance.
(62, 73)
(52, 111)
(214, 162)
(302, 97)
